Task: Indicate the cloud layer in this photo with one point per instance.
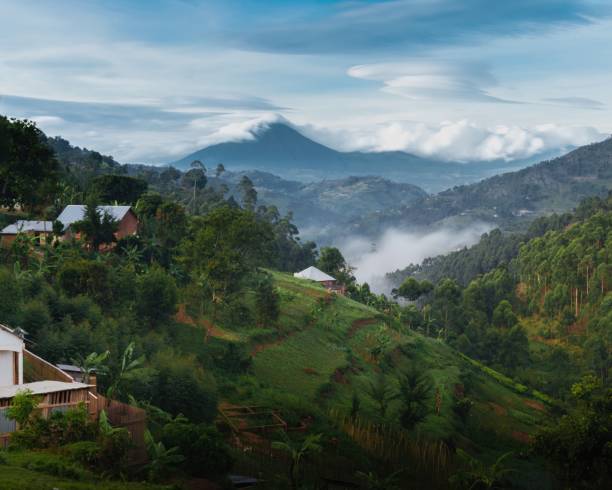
(461, 141)
(398, 249)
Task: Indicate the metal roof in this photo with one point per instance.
(40, 388)
(75, 212)
(314, 274)
(22, 226)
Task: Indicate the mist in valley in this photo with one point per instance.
(396, 249)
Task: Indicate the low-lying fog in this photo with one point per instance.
(397, 249)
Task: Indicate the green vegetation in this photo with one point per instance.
(243, 367)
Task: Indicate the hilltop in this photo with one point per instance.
(508, 200)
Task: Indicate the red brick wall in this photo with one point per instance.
(127, 226)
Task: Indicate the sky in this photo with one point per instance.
(150, 81)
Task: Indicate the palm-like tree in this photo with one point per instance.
(161, 459)
(298, 452)
(93, 363)
(129, 369)
(478, 475)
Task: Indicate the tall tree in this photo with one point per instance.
(28, 168)
(97, 226)
(249, 194)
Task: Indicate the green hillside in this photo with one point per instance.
(327, 348)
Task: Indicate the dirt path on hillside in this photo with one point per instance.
(358, 325)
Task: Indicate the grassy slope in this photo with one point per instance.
(45, 470)
(322, 356)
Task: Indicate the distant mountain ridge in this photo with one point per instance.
(281, 149)
(509, 199)
(319, 206)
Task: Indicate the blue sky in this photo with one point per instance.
(149, 81)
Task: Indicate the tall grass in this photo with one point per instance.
(428, 463)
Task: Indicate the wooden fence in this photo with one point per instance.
(132, 418)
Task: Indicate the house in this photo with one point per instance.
(42, 231)
(58, 391)
(123, 215)
(328, 282)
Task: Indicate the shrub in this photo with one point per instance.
(203, 447)
(57, 468)
(83, 452)
(23, 406)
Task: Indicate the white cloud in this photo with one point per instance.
(461, 140)
(431, 79)
(238, 131)
(47, 121)
(397, 249)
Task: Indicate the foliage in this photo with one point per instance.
(118, 188)
(414, 393)
(477, 475)
(156, 296)
(28, 169)
(298, 452)
(162, 461)
(97, 226)
(23, 407)
(205, 451)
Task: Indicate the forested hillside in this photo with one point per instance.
(494, 249)
(243, 368)
(509, 200)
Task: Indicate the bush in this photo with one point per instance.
(184, 388)
(57, 468)
(33, 316)
(205, 451)
(59, 429)
(84, 452)
(156, 296)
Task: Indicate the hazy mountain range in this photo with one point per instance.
(508, 200)
(280, 149)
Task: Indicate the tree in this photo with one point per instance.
(92, 363)
(333, 263)
(411, 289)
(446, 304)
(197, 177)
(118, 188)
(227, 244)
(298, 452)
(382, 393)
(129, 369)
(477, 475)
(414, 392)
(28, 168)
(267, 301)
(183, 387)
(579, 442)
(249, 194)
(162, 461)
(97, 227)
(503, 316)
(156, 296)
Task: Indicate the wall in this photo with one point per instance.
(127, 226)
(6, 368)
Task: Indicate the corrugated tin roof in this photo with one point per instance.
(314, 274)
(22, 226)
(40, 388)
(75, 212)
